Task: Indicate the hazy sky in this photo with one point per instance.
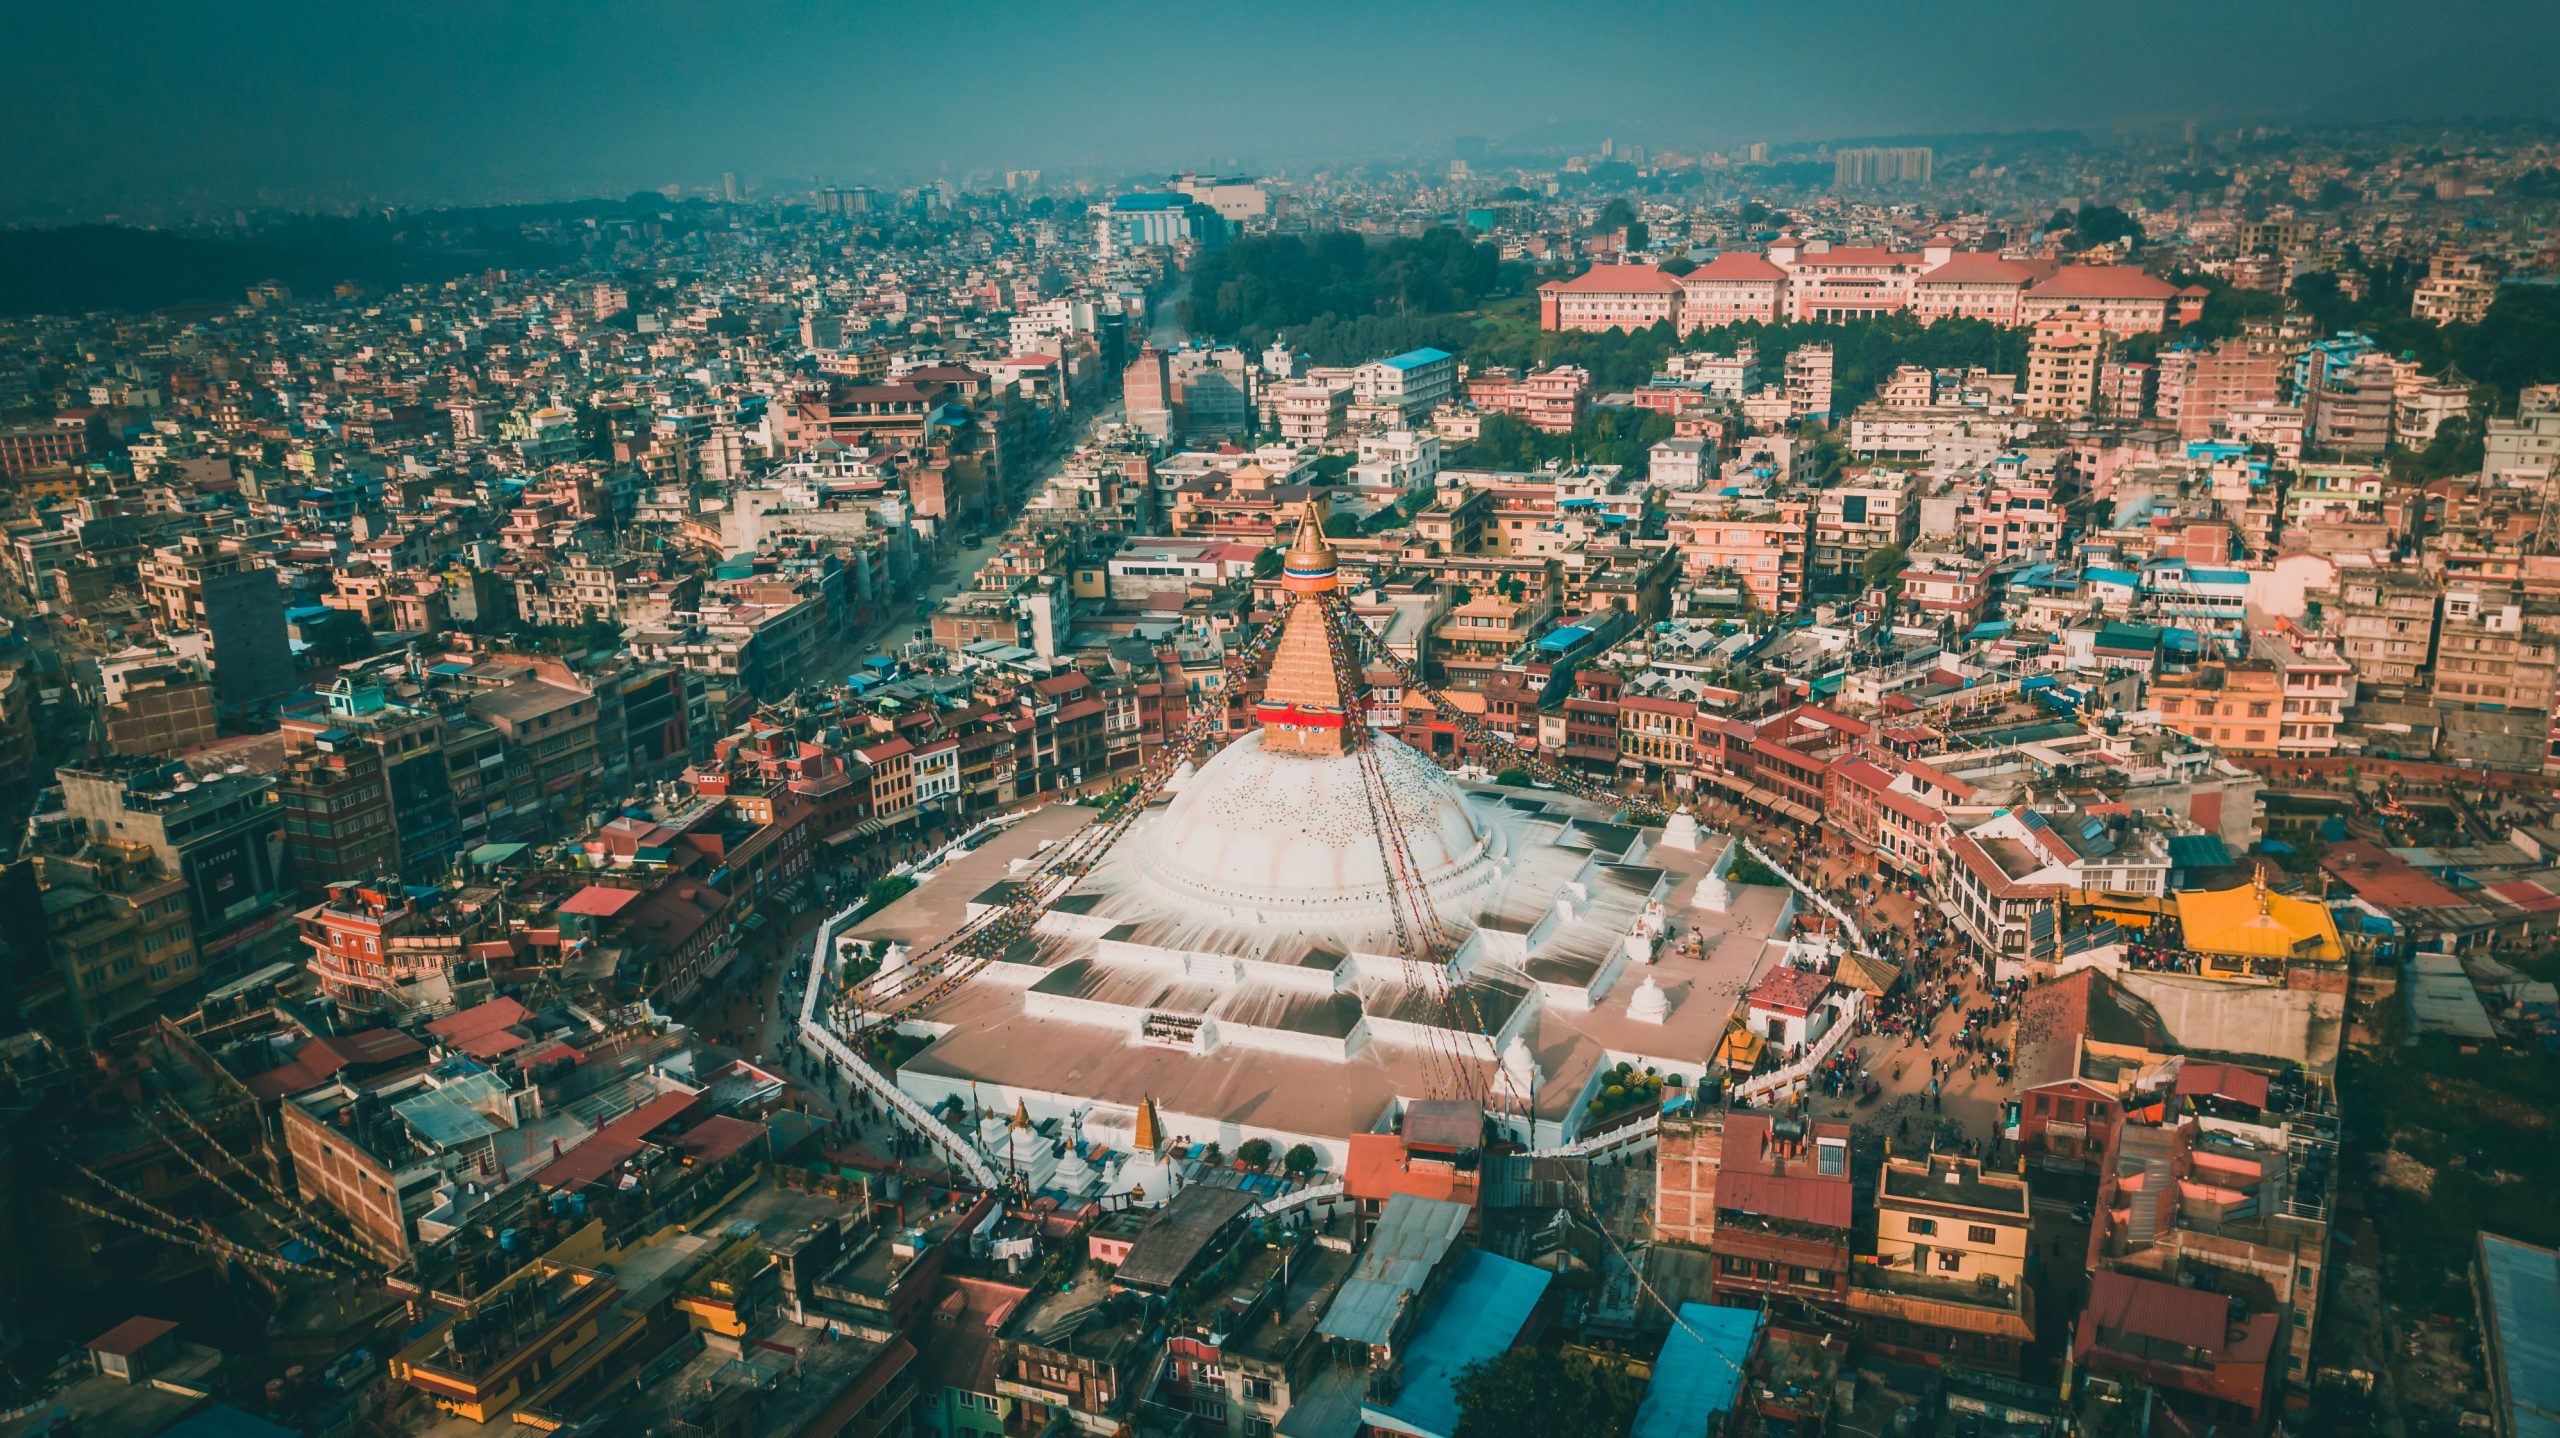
(143, 101)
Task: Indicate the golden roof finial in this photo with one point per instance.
(2266, 901)
(1308, 567)
(1021, 1114)
(1149, 1140)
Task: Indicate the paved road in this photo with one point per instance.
(755, 1013)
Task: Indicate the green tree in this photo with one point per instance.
(2456, 448)
(1558, 1395)
(886, 890)
(1254, 1152)
(1301, 1160)
(1268, 563)
(1339, 525)
(1639, 235)
(1884, 567)
(1513, 778)
(1615, 215)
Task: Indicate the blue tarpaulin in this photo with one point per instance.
(1478, 1316)
(1698, 1378)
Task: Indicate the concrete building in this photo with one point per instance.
(2384, 623)
(1403, 390)
(1610, 297)
(220, 834)
(1949, 1285)
(230, 593)
(2063, 358)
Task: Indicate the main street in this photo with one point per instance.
(753, 1012)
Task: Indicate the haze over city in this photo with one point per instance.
(1296, 721)
(302, 104)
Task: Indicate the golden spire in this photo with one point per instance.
(1149, 1140)
(1021, 1114)
(1308, 567)
(2266, 901)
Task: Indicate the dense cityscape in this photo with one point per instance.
(1559, 786)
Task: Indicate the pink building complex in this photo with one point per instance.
(1609, 297)
(1804, 280)
(1548, 400)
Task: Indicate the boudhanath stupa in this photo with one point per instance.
(1234, 966)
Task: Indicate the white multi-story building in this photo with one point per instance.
(1397, 462)
(1406, 388)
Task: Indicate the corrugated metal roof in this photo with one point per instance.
(1413, 1235)
(2524, 1336)
(1480, 1314)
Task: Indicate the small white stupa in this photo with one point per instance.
(1681, 832)
(1519, 1071)
(1649, 1004)
(1144, 1178)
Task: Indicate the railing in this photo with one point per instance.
(914, 1115)
(1857, 936)
(1316, 1193)
(1769, 1085)
(1627, 1137)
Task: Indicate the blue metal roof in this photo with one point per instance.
(1559, 640)
(1416, 359)
(1698, 1377)
(1150, 202)
(2523, 1304)
(1487, 1302)
(2098, 575)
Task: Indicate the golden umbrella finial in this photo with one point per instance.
(1308, 567)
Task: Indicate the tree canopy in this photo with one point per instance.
(2094, 225)
(1559, 1395)
(1604, 436)
(1264, 285)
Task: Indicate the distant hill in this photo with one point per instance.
(82, 268)
(109, 267)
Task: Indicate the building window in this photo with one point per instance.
(1950, 1261)
(1921, 1227)
(1977, 1233)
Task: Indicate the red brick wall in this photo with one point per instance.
(1684, 1180)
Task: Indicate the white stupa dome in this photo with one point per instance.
(1291, 837)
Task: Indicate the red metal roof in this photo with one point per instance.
(2223, 1081)
(1736, 265)
(131, 1336)
(2189, 1317)
(1788, 990)
(1617, 280)
(2103, 282)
